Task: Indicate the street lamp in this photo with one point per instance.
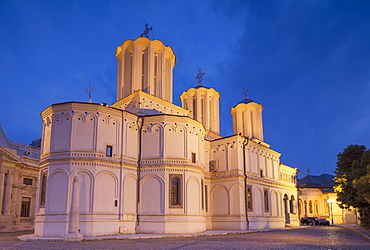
(331, 201)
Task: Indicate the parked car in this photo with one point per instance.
(310, 221)
(323, 222)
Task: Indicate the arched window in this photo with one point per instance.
(291, 204)
(310, 207)
(249, 198)
(305, 207)
(266, 200)
(175, 195)
(316, 207)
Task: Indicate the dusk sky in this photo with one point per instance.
(306, 62)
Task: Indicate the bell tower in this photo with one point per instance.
(146, 65)
(203, 104)
(247, 119)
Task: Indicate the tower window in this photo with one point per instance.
(109, 151)
(202, 190)
(155, 90)
(43, 188)
(266, 200)
(249, 198)
(193, 158)
(175, 191)
(261, 173)
(194, 108)
(142, 71)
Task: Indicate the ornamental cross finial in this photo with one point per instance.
(308, 171)
(245, 92)
(89, 92)
(146, 30)
(199, 76)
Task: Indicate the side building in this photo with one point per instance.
(146, 165)
(317, 198)
(19, 177)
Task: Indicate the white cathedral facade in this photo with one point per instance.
(145, 165)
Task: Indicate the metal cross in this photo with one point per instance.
(245, 92)
(146, 30)
(199, 76)
(89, 91)
(308, 171)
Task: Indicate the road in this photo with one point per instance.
(312, 237)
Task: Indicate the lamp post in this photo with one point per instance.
(331, 201)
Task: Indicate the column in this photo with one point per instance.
(74, 214)
(7, 194)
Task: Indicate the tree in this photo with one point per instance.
(351, 167)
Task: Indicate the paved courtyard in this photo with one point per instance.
(310, 237)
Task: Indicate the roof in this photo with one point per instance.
(246, 100)
(200, 86)
(323, 181)
(4, 142)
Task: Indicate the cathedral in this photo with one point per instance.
(146, 165)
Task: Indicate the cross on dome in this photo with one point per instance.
(146, 31)
(199, 76)
(89, 92)
(245, 92)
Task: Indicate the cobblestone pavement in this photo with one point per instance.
(313, 237)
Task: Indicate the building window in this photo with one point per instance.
(175, 191)
(316, 207)
(261, 173)
(25, 207)
(310, 207)
(193, 158)
(291, 204)
(194, 108)
(155, 69)
(249, 198)
(109, 151)
(266, 200)
(27, 181)
(43, 188)
(202, 190)
(206, 196)
(305, 207)
(142, 71)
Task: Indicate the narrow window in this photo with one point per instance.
(202, 110)
(43, 188)
(310, 207)
(206, 196)
(109, 151)
(193, 158)
(175, 191)
(202, 182)
(261, 173)
(266, 199)
(27, 181)
(142, 71)
(25, 207)
(305, 207)
(194, 108)
(131, 73)
(155, 90)
(249, 198)
(291, 204)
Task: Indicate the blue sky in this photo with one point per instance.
(307, 62)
